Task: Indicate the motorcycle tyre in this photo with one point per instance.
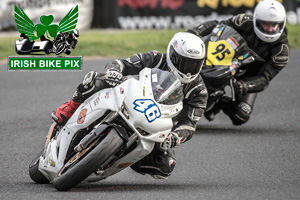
(90, 163)
(34, 171)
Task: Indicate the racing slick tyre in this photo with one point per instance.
(34, 171)
(80, 167)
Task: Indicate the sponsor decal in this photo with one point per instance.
(241, 19)
(232, 42)
(96, 101)
(106, 95)
(283, 56)
(121, 90)
(193, 51)
(175, 44)
(232, 69)
(172, 162)
(204, 91)
(123, 165)
(51, 162)
(165, 4)
(81, 116)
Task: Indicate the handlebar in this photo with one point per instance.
(248, 60)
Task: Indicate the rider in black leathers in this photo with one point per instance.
(271, 46)
(159, 163)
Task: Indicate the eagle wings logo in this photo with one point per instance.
(33, 32)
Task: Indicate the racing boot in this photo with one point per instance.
(65, 111)
(159, 163)
(83, 91)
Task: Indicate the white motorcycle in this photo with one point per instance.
(110, 131)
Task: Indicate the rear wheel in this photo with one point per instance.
(83, 164)
(34, 171)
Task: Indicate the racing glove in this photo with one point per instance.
(172, 141)
(240, 88)
(113, 74)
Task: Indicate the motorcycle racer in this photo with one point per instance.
(184, 58)
(266, 34)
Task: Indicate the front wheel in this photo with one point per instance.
(34, 171)
(82, 165)
(61, 47)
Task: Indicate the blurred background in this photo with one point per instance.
(118, 28)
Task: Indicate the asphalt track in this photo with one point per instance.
(259, 160)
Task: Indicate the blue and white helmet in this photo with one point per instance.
(185, 56)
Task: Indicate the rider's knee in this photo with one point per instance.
(88, 86)
(242, 113)
(238, 113)
(157, 163)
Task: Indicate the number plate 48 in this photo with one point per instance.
(148, 107)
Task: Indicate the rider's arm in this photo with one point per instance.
(243, 23)
(194, 104)
(134, 64)
(203, 29)
(278, 60)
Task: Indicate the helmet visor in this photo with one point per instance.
(268, 27)
(187, 66)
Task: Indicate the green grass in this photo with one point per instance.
(293, 36)
(122, 43)
(109, 43)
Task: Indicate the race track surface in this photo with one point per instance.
(259, 160)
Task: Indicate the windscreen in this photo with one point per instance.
(166, 87)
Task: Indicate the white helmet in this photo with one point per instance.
(269, 20)
(185, 56)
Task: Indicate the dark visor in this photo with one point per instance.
(183, 64)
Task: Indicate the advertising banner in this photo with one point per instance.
(165, 14)
(37, 8)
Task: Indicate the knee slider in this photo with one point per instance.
(88, 83)
(85, 89)
(89, 78)
(242, 114)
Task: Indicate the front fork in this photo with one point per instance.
(232, 88)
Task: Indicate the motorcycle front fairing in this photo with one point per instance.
(225, 49)
(148, 117)
(86, 114)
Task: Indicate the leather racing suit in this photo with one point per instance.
(274, 57)
(159, 163)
